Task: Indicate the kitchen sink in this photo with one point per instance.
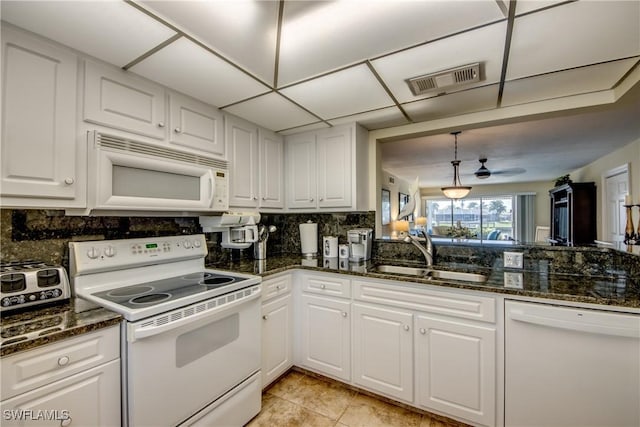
(430, 273)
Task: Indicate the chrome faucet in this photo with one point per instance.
(427, 249)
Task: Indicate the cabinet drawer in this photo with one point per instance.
(276, 286)
(466, 306)
(327, 285)
(26, 371)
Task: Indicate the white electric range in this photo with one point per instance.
(191, 339)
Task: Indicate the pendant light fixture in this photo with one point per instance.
(457, 191)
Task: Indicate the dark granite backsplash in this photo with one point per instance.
(581, 260)
(44, 234)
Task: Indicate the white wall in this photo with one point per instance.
(398, 186)
(629, 154)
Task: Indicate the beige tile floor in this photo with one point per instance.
(298, 399)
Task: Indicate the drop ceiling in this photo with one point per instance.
(291, 66)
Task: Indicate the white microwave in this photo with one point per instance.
(131, 176)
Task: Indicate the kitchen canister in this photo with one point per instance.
(330, 247)
(309, 239)
(343, 251)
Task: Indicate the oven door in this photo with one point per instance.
(190, 357)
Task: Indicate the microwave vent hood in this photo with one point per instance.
(128, 145)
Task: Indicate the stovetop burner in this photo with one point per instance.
(150, 298)
(151, 293)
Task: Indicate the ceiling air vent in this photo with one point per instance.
(445, 79)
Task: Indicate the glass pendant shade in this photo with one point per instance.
(457, 190)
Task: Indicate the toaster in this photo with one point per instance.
(27, 284)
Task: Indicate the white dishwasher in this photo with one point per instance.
(571, 366)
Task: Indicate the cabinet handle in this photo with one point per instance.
(177, 130)
(423, 331)
(160, 124)
(406, 327)
(69, 181)
(255, 198)
(63, 361)
(278, 287)
(311, 200)
(66, 422)
(344, 314)
(323, 286)
(321, 199)
(265, 317)
(264, 198)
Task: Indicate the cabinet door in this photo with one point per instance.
(335, 166)
(121, 100)
(325, 336)
(38, 120)
(383, 350)
(277, 344)
(195, 124)
(301, 171)
(456, 368)
(271, 170)
(90, 398)
(242, 138)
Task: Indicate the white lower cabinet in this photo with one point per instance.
(277, 335)
(383, 350)
(90, 398)
(325, 341)
(456, 368)
(72, 382)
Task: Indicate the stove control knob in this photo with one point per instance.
(186, 244)
(110, 251)
(32, 297)
(196, 243)
(93, 253)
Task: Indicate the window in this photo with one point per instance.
(484, 218)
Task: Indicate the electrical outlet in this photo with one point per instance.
(513, 280)
(513, 259)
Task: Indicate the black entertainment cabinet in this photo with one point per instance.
(573, 213)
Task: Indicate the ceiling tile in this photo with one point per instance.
(321, 36)
(469, 101)
(272, 111)
(342, 93)
(112, 31)
(243, 31)
(189, 68)
(485, 45)
(566, 83)
(573, 35)
(526, 6)
(379, 119)
(307, 128)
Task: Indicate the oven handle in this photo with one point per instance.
(135, 332)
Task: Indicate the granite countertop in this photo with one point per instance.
(611, 290)
(34, 328)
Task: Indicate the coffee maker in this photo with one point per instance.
(360, 242)
(239, 229)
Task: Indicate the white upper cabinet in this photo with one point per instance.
(327, 169)
(40, 162)
(301, 171)
(271, 169)
(121, 100)
(242, 137)
(257, 171)
(195, 124)
(334, 149)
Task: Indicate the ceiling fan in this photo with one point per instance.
(483, 172)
